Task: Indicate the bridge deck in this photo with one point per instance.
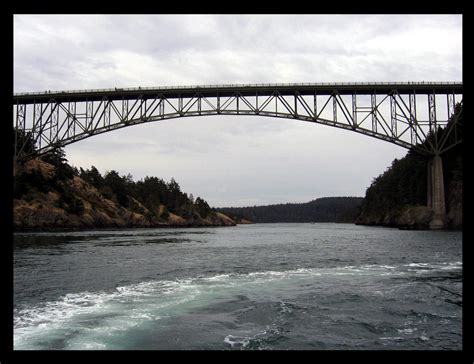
(243, 89)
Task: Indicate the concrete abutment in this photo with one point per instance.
(436, 198)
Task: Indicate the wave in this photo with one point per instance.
(89, 317)
(258, 341)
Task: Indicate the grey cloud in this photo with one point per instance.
(180, 49)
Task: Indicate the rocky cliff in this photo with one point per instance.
(72, 203)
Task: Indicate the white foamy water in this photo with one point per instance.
(95, 315)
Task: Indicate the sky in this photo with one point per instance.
(236, 160)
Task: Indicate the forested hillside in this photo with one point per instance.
(398, 197)
(51, 194)
(328, 209)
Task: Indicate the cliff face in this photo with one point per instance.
(86, 208)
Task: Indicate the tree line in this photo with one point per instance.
(151, 192)
(327, 209)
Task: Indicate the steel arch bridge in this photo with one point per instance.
(406, 114)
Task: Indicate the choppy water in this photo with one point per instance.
(249, 287)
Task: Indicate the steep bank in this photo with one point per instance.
(48, 197)
(398, 197)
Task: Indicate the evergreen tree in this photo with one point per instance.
(202, 207)
(119, 185)
(92, 176)
(24, 143)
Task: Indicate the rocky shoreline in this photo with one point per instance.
(412, 218)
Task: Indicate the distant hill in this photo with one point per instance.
(327, 209)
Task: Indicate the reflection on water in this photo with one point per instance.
(105, 238)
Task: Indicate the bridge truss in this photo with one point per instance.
(406, 114)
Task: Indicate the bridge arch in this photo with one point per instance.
(138, 122)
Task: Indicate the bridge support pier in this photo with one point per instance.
(436, 199)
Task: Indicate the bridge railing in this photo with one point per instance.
(151, 88)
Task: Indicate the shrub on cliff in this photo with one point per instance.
(29, 182)
(69, 201)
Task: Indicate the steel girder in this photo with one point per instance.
(406, 116)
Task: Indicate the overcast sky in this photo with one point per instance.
(236, 160)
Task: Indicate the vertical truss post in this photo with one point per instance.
(393, 115)
(40, 109)
(432, 118)
(315, 105)
(124, 109)
(413, 123)
(19, 125)
(68, 119)
(51, 123)
(34, 114)
(20, 116)
(354, 109)
(39, 129)
(15, 143)
(451, 103)
(432, 111)
(142, 101)
(296, 105)
(107, 114)
(23, 121)
(334, 107)
(54, 136)
(89, 113)
(161, 110)
(218, 103)
(373, 100)
(276, 103)
(72, 111)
